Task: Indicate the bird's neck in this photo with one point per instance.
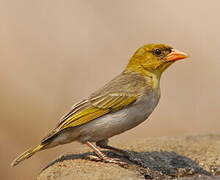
(152, 76)
(146, 72)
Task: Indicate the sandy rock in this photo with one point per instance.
(183, 158)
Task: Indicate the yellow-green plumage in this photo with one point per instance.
(99, 108)
(83, 117)
(27, 154)
(125, 97)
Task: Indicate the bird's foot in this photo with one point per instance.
(108, 160)
(93, 158)
(115, 161)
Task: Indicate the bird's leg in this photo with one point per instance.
(97, 151)
(104, 144)
(102, 156)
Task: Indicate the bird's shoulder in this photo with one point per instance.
(126, 83)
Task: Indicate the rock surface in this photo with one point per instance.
(182, 158)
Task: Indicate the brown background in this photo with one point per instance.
(53, 53)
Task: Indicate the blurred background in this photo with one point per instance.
(53, 53)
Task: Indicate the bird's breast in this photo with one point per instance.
(144, 106)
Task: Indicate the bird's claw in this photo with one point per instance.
(107, 160)
(93, 158)
(115, 161)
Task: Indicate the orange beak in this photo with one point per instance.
(176, 55)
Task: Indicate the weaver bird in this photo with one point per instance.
(123, 103)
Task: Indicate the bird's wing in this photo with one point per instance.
(98, 107)
(89, 110)
(103, 101)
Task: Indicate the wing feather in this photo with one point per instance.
(114, 96)
(97, 108)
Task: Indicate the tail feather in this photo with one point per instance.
(27, 154)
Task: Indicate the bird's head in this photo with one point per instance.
(154, 58)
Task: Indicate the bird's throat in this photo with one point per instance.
(152, 76)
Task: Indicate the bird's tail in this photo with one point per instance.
(28, 154)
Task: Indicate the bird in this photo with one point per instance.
(120, 105)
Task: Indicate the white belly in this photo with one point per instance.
(120, 121)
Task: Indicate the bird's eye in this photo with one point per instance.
(157, 52)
